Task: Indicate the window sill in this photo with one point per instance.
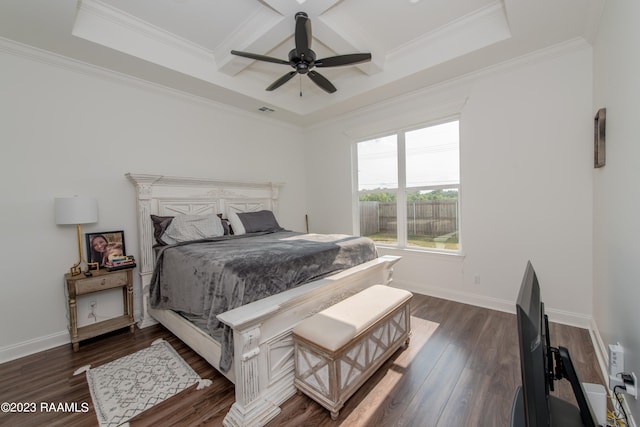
(394, 250)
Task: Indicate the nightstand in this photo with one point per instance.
(100, 281)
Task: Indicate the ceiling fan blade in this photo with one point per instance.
(303, 33)
(282, 80)
(321, 81)
(259, 57)
(336, 61)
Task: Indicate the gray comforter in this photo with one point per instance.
(204, 278)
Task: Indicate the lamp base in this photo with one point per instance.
(76, 269)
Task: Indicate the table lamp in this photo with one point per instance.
(76, 210)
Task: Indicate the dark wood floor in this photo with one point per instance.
(461, 369)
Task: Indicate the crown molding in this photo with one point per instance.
(46, 57)
(111, 15)
(488, 14)
(459, 87)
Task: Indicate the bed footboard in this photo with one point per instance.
(263, 364)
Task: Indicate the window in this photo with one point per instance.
(408, 187)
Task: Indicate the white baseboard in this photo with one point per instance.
(26, 348)
(558, 316)
(458, 296)
(601, 351)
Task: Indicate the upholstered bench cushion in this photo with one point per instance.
(335, 326)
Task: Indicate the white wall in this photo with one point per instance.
(616, 268)
(526, 132)
(526, 176)
(71, 130)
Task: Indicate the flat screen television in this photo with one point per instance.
(541, 365)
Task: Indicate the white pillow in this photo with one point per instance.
(184, 228)
(236, 224)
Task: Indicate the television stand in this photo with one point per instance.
(561, 412)
(567, 368)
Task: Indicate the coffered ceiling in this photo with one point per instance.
(186, 44)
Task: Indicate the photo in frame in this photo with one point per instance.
(104, 244)
(599, 125)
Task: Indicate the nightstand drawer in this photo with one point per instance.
(99, 283)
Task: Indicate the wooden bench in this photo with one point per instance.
(339, 348)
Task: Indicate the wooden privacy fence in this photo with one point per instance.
(424, 217)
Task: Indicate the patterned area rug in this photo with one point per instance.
(132, 384)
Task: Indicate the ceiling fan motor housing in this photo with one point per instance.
(302, 63)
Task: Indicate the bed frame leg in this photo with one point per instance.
(145, 317)
(257, 413)
(250, 407)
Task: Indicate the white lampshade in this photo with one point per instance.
(76, 210)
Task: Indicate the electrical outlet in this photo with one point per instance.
(615, 381)
(93, 304)
(616, 360)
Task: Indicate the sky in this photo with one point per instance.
(433, 158)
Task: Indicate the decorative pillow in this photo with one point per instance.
(254, 222)
(236, 224)
(184, 228)
(160, 224)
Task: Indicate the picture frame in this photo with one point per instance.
(101, 245)
(599, 125)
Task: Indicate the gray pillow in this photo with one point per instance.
(185, 228)
(259, 221)
(160, 224)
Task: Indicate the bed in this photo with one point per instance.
(261, 364)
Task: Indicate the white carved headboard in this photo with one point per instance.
(169, 195)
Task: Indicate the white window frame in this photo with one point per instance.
(401, 196)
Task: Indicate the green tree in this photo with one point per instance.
(378, 197)
(384, 197)
(433, 195)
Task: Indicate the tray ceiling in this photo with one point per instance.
(186, 44)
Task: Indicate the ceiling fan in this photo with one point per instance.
(302, 59)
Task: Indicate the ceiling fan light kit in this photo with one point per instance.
(302, 59)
